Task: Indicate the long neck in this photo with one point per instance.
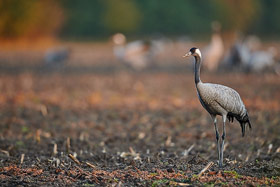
(197, 69)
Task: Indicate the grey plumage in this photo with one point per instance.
(222, 100)
(219, 100)
(248, 56)
(56, 57)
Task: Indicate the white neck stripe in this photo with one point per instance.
(197, 51)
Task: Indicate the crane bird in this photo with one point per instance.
(56, 57)
(219, 100)
(136, 54)
(248, 55)
(215, 50)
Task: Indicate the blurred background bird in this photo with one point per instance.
(215, 50)
(247, 55)
(138, 54)
(56, 57)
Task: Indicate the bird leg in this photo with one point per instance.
(217, 136)
(223, 142)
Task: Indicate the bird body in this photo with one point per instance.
(248, 55)
(136, 54)
(219, 100)
(215, 50)
(260, 60)
(56, 57)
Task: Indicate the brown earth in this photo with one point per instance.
(132, 129)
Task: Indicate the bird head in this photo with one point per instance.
(193, 52)
(119, 39)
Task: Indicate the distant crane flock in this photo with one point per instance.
(219, 100)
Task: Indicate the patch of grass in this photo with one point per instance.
(234, 173)
(275, 177)
(113, 180)
(194, 176)
(160, 182)
(251, 148)
(223, 183)
(208, 184)
(87, 184)
(212, 184)
(19, 143)
(153, 174)
(24, 129)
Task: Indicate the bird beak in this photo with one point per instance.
(188, 54)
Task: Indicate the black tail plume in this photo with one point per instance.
(243, 121)
(230, 118)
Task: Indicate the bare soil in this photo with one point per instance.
(132, 129)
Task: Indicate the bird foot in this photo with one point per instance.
(220, 164)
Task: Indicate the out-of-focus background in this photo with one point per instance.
(105, 81)
(139, 34)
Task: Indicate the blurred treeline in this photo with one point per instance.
(100, 18)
